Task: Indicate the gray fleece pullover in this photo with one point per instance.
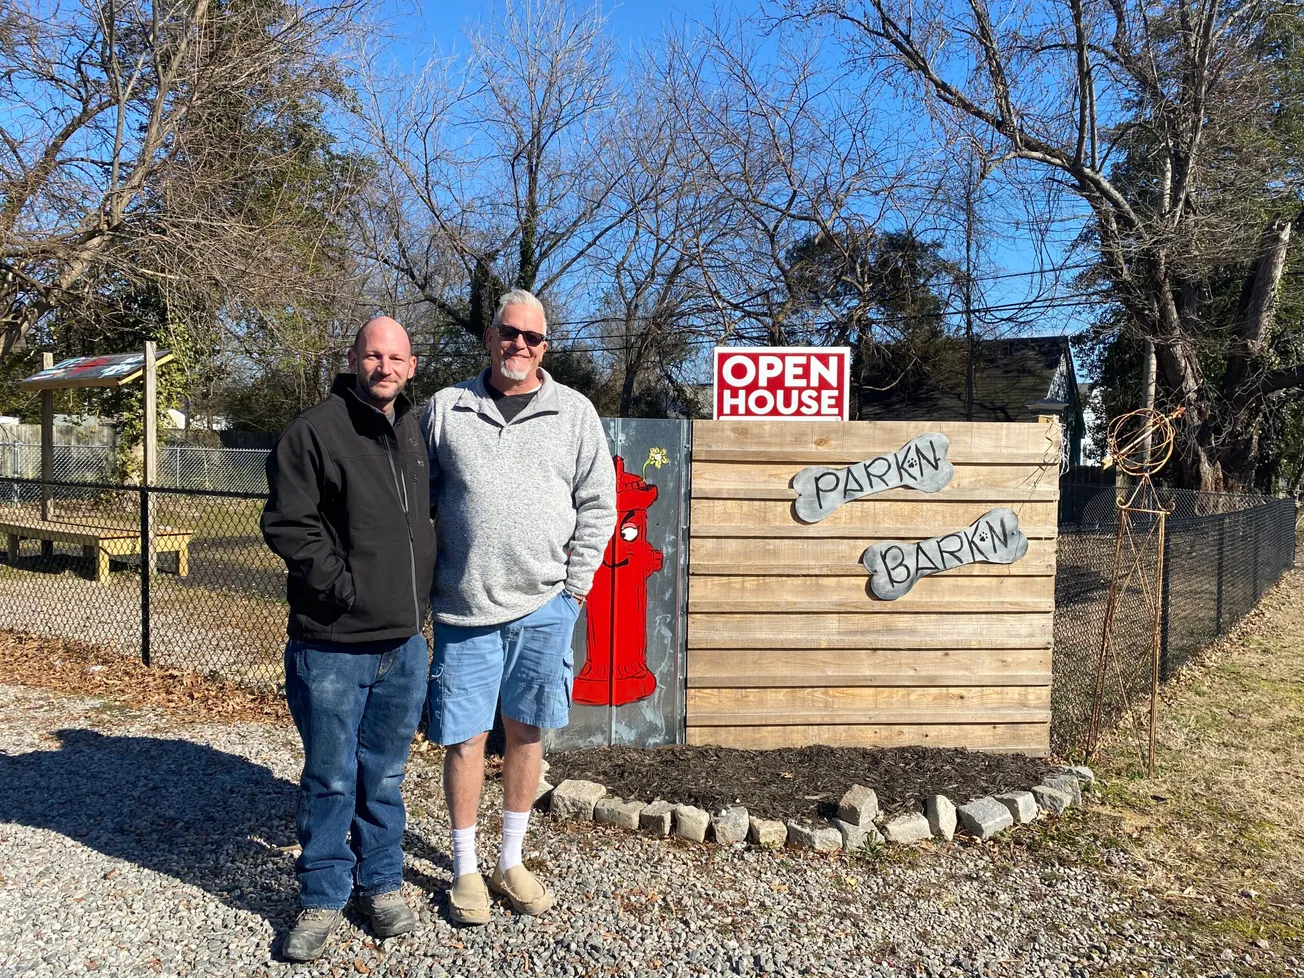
(523, 510)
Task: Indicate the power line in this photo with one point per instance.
(1031, 273)
(1042, 305)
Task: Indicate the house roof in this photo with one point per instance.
(1008, 375)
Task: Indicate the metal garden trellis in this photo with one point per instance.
(1140, 443)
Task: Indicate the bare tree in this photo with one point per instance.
(127, 126)
(1159, 117)
(655, 311)
(498, 165)
(786, 148)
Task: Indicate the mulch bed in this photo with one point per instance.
(75, 668)
(798, 782)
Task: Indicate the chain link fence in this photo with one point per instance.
(239, 470)
(217, 600)
(1221, 552)
(216, 603)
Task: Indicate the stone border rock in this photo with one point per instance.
(859, 823)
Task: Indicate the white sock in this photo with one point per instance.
(464, 852)
(514, 828)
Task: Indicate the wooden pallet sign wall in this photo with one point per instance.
(789, 643)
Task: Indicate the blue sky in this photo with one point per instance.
(421, 22)
(415, 27)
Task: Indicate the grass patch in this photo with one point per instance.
(1213, 834)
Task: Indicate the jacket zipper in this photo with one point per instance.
(400, 490)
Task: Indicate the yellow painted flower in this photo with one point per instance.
(656, 458)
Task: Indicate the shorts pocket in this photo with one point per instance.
(569, 601)
(543, 650)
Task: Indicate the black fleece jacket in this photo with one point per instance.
(349, 513)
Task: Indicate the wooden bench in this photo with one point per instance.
(99, 541)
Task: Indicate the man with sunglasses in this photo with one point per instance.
(525, 495)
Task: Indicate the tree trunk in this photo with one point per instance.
(627, 390)
(1258, 306)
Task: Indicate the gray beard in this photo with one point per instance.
(510, 374)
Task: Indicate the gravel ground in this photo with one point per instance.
(133, 845)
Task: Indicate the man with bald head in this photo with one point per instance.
(349, 512)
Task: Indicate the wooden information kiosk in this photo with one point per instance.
(99, 537)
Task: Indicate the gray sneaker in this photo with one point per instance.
(389, 914)
(308, 937)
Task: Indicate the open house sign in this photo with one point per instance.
(777, 382)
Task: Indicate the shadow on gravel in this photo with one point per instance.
(209, 819)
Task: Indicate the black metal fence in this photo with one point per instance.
(216, 602)
(1221, 552)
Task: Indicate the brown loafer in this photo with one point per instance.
(518, 884)
(468, 900)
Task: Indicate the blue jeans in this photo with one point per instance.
(356, 707)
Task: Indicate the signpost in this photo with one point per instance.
(794, 383)
(149, 550)
(47, 453)
(111, 370)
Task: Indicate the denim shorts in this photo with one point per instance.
(528, 662)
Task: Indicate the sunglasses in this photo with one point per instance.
(509, 333)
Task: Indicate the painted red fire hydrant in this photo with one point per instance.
(616, 670)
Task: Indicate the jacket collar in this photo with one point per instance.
(346, 387)
(475, 397)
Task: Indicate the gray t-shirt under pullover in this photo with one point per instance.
(524, 509)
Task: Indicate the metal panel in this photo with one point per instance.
(632, 692)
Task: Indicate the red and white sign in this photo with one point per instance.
(796, 383)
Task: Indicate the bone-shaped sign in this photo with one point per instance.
(993, 538)
(919, 464)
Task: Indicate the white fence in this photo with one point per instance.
(179, 466)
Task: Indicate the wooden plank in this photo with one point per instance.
(803, 718)
(803, 630)
(746, 480)
(938, 594)
(731, 668)
(825, 456)
(1029, 738)
(775, 555)
(113, 542)
(150, 478)
(880, 519)
(867, 667)
(992, 495)
(766, 705)
(832, 530)
(47, 447)
(880, 680)
(34, 526)
(163, 543)
(104, 525)
(860, 440)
